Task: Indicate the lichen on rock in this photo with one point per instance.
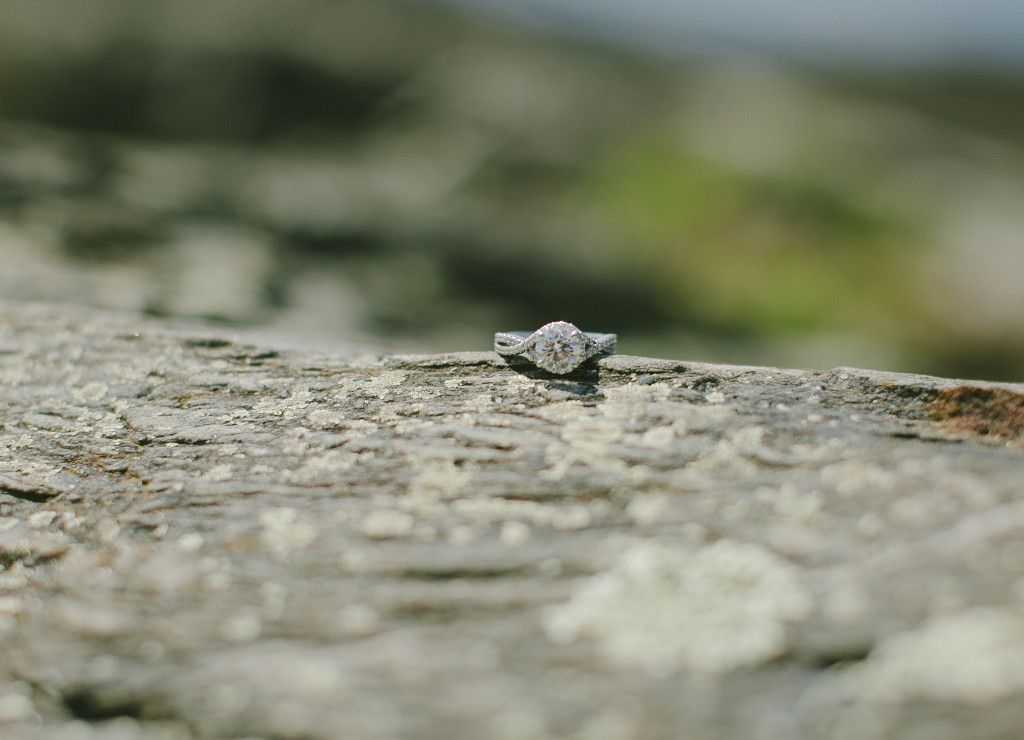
(665, 609)
(440, 540)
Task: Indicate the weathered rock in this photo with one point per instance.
(201, 536)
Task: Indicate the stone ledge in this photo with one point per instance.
(215, 538)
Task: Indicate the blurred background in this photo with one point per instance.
(791, 182)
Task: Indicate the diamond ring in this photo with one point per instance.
(558, 347)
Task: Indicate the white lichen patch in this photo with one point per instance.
(438, 479)
(14, 577)
(44, 518)
(330, 462)
(422, 393)
(241, 628)
(480, 403)
(854, 479)
(562, 457)
(658, 438)
(688, 418)
(11, 606)
(32, 472)
(793, 504)
(383, 383)
(69, 522)
(385, 524)
(562, 411)
(219, 473)
(830, 449)
(236, 413)
(975, 657)
(284, 532)
(591, 432)
(471, 420)
(321, 466)
(749, 439)
(359, 429)
(391, 412)
(725, 457)
(570, 518)
(518, 385)
(715, 397)
(493, 510)
(648, 508)
(410, 427)
(629, 402)
(514, 533)
(295, 443)
(16, 708)
(325, 419)
(668, 610)
(90, 392)
(377, 385)
(190, 542)
(287, 407)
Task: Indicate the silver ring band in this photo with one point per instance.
(558, 347)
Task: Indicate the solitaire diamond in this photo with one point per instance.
(560, 347)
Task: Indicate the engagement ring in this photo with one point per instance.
(558, 347)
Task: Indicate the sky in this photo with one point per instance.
(843, 33)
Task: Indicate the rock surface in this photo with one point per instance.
(203, 537)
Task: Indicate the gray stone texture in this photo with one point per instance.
(204, 537)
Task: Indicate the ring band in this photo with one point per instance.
(558, 347)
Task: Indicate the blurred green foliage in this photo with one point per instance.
(735, 251)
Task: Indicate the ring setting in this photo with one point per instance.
(558, 347)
